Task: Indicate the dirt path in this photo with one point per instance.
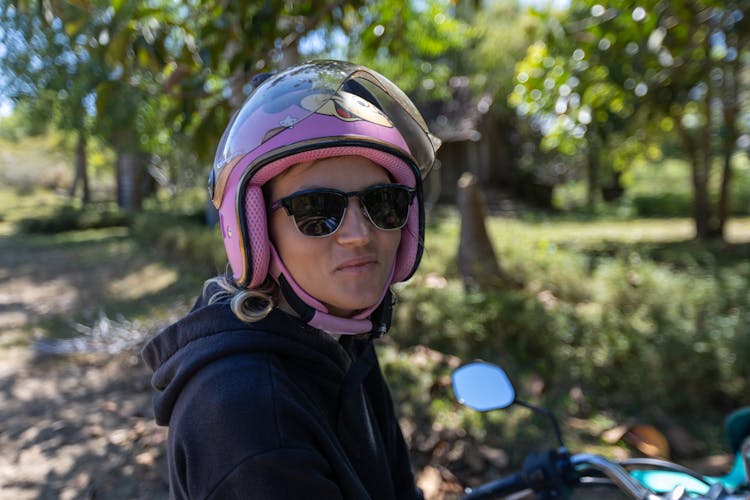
(79, 429)
(70, 426)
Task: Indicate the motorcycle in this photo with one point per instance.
(557, 473)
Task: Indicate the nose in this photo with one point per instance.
(355, 228)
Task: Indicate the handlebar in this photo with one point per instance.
(556, 471)
(614, 472)
(501, 487)
(551, 471)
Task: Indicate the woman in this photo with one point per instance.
(270, 386)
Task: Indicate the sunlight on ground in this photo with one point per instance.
(637, 230)
(23, 294)
(22, 298)
(738, 230)
(148, 280)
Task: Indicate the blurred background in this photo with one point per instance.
(589, 220)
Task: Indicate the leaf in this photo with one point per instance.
(74, 25)
(118, 48)
(649, 440)
(615, 434)
(117, 4)
(104, 93)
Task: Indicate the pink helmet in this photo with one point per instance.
(310, 112)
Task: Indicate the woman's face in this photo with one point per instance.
(349, 269)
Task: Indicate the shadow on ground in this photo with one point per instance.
(80, 429)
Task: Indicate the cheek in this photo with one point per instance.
(282, 233)
(274, 229)
(389, 243)
(296, 250)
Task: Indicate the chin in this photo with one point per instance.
(350, 308)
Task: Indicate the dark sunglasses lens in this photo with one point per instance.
(387, 206)
(317, 214)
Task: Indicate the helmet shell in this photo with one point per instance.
(308, 113)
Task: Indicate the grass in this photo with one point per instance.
(54, 282)
(601, 304)
(658, 190)
(35, 162)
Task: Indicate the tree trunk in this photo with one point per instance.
(730, 107)
(724, 195)
(592, 171)
(133, 181)
(81, 171)
(699, 166)
(477, 261)
(701, 205)
(713, 229)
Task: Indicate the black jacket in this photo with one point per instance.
(274, 410)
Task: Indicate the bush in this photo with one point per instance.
(70, 218)
(34, 162)
(643, 329)
(175, 226)
(504, 326)
(666, 204)
(182, 237)
(740, 199)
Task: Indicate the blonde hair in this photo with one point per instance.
(249, 305)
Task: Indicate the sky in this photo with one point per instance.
(544, 4)
(5, 105)
(6, 108)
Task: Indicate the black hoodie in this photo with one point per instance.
(274, 409)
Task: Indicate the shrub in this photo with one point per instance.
(663, 204)
(642, 328)
(183, 237)
(70, 218)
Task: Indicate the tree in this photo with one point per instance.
(420, 45)
(673, 66)
(202, 55)
(39, 59)
(489, 74)
(188, 66)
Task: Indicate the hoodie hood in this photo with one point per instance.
(211, 332)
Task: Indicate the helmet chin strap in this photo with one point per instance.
(374, 320)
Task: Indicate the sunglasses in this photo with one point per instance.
(319, 212)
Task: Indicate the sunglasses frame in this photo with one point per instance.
(285, 202)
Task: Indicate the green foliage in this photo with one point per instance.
(162, 78)
(601, 306)
(477, 325)
(661, 189)
(14, 127)
(29, 163)
(74, 218)
(183, 238)
(189, 202)
(501, 24)
(605, 74)
(34, 162)
(662, 205)
(418, 45)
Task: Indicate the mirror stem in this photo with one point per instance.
(549, 414)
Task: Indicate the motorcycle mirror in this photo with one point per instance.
(483, 386)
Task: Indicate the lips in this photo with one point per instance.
(357, 264)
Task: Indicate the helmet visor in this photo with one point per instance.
(318, 82)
